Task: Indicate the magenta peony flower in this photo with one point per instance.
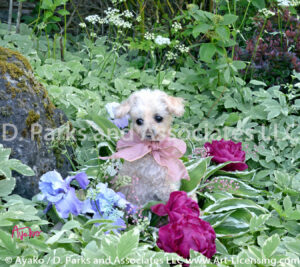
(178, 204)
(223, 151)
(189, 232)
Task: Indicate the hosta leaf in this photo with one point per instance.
(233, 204)
(196, 173)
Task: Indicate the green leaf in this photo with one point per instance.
(207, 51)
(239, 65)
(227, 75)
(202, 28)
(257, 222)
(7, 186)
(55, 237)
(196, 173)
(255, 82)
(293, 246)
(19, 167)
(229, 19)
(260, 4)
(223, 32)
(270, 245)
(63, 12)
(128, 243)
(233, 204)
(71, 225)
(47, 4)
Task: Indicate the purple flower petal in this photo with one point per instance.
(69, 204)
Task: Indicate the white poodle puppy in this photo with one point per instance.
(151, 156)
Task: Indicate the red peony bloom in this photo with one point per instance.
(223, 151)
(179, 204)
(189, 232)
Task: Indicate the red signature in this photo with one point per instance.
(20, 232)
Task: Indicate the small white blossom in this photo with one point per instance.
(267, 13)
(171, 56)
(182, 48)
(288, 2)
(149, 36)
(162, 40)
(93, 34)
(82, 25)
(127, 14)
(176, 26)
(138, 18)
(93, 19)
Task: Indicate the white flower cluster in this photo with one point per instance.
(138, 18)
(93, 34)
(82, 25)
(93, 19)
(127, 14)
(115, 2)
(182, 48)
(267, 13)
(149, 36)
(162, 40)
(113, 16)
(171, 56)
(176, 26)
(288, 2)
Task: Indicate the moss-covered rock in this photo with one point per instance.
(26, 117)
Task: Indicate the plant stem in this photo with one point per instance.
(19, 17)
(256, 46)
(10, 14)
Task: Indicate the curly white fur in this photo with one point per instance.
(149, 179)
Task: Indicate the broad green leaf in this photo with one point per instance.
(223, 32)
(260, 4)
(293, 246)
(19, 167)
(201, 28)
(128, 243)
(207, 51)
(7, 186)
(270, 245)
(229, 19)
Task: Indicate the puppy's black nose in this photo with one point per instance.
(148, 136)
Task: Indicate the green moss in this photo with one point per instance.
(32, 118)
(6, 53)
(11, 68)
(6, 111)
(12, 90)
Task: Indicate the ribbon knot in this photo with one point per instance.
(166, 153)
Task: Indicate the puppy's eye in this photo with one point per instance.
(158, 118)
(139, 121)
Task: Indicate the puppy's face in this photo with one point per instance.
(151, 113)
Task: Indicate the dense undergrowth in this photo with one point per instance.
(255, 213)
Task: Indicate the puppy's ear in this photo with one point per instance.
(175, 105)
(125, 106)
(123, 109)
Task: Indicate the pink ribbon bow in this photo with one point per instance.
(166, 153)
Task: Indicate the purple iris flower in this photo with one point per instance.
(58, 192)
